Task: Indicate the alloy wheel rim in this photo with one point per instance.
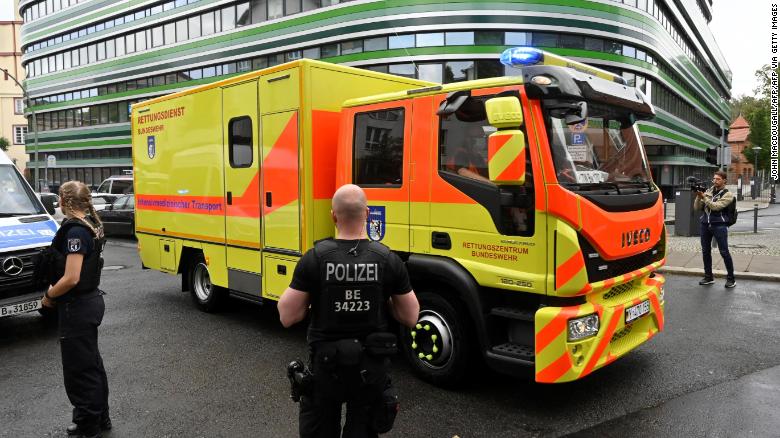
(202, 282)
(431, 340)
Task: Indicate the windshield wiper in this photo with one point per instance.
(594, 186)
(14, 214)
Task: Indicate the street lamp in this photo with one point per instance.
(34, 124)
(756, 150)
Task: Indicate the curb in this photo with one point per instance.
(720, 274)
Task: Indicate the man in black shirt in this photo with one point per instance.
(350, 283)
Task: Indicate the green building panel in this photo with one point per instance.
(89, 61)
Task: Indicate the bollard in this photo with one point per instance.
(755, 218)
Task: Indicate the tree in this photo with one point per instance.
(756, 110)
(4, 143)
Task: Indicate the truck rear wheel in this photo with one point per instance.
(206, 295)
(439, 347)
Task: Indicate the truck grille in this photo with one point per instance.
(600, 269)
(26, 280)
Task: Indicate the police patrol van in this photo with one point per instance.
(26, 230)
(523, 206)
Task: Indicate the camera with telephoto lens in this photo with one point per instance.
(697, 185)
(300, 379)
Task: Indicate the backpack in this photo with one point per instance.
(731, 211)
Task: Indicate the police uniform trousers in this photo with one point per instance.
(359, 386)
(85, 377)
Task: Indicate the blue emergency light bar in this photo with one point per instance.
(521, 56)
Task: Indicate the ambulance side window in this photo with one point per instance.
(378, 148)
(240, 129)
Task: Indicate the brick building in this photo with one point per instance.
(738, 139)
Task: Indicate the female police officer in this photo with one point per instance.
(75, 276)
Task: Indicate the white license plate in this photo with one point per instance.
(637, 311)
(15, 309)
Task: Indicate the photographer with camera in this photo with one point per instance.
(351, 283)
(714, 223)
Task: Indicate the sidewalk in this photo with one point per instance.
(742, 207)
(756, 256)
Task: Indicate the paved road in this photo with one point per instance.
(177, 372)
(768, 220)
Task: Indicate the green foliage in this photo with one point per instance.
(4, 143)
(756, 110)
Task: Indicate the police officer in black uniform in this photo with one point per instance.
(75, 275)
(351, 283)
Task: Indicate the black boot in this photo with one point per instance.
(105, 424)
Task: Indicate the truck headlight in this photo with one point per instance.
(583, 327)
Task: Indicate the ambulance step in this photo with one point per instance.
(517, 351)
(513, 313)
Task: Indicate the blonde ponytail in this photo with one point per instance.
(75, 197)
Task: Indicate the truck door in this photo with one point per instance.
(281, 196)
(380, 165)
(242, 185)
(495, 230)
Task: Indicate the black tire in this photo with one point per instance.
(206, 296)
(452, 358)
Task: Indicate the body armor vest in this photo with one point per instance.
(351, 301)
(91, 267)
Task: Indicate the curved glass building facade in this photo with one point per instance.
(87, 61)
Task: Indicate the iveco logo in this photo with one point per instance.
(631, 238)
(13, 266)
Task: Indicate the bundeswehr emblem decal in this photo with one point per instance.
(375, 228)
(150, 146)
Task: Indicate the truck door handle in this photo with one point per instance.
(229, 198)
(268, 199)
(441, 240)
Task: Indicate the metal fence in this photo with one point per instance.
(759, 189)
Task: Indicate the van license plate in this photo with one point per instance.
(637, 311)
(15, 309)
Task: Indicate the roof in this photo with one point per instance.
(739, 130)
(738, 136)
(435, 89)
(740, 122)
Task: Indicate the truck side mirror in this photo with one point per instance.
(506, 147)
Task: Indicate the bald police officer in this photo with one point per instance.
(350, 283)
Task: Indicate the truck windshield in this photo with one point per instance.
(16, 199)
(604, 151)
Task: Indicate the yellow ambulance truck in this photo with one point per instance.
(523, 206)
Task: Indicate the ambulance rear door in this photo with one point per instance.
(242, 186)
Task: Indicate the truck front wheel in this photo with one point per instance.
(439, 347)
(206, 295)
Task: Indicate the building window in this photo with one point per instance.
(20, 131)
(460, 38)
(18, 106)
(379, 148)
